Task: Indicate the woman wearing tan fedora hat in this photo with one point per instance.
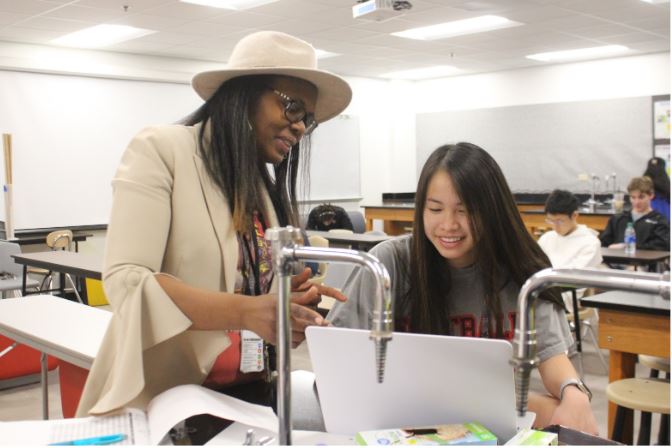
(187, 270)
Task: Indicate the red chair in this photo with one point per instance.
(21, 360)
(72, 379)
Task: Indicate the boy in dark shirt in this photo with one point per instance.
(651, 228)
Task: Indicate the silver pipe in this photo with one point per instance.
(525, 339)
(285, 252)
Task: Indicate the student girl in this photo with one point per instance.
(187, 269)
(460, 271)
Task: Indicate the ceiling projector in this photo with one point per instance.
(379, 10)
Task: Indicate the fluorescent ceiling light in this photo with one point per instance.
(656, 2)
(435, 71)
(230, 4)
(323, 54)
(458, 28)
(101, 36)
(579, 53)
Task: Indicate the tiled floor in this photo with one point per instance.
(24, 403)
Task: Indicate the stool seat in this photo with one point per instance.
(641, 394)
(655, 363)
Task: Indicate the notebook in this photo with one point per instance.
(428, 380)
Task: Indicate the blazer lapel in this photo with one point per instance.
(222, 221)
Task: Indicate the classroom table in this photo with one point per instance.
(630, 324)
(54, 326)
(397, 217)
(363, 241)
(641, 257)
(63, 262)
(29, 240)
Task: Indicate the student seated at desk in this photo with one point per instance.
(187, 268)
(651, 228)
(460, 273)
(569, 244)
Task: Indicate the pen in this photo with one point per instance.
(101, 440)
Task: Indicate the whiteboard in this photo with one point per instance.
(69, 133)
(546, 146)
(334, 160)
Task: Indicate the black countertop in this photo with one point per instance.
(629, 301)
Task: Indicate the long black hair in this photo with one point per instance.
(655, 169)
(228, 145)
(504, 249)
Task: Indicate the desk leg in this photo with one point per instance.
(45, 386)
(369, 224)
(25, 278)
(621, 365)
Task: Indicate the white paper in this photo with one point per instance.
(165, 411)
(43, 432)
(176, 404)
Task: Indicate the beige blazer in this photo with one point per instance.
(167, 216)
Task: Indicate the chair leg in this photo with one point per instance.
(664, 433)
(74, 287)
(619, 421)
(47, 280)
(644, 429)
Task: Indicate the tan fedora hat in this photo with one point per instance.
(275, 53)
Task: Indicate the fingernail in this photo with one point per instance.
(319, 320)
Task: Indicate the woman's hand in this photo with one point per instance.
(575, 412)
(617, 246)
(301, 282)
(261, 315)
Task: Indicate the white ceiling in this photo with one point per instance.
(367, 49)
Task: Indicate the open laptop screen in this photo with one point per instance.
(429, 380)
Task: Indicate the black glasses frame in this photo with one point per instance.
(295, 111)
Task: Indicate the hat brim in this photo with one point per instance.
(334, 94)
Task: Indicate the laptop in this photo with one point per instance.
(429, 380)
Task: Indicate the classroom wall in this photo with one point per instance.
(387, 109)
(627, 77)
(624, 77)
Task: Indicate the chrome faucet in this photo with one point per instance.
(525, 339)
(285, 251)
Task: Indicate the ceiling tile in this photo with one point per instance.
(366, 47)
(8, 18)
(26, 6)
(148, 21)
(85, 14)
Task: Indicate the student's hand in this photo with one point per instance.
(301, 282)
(617, 246)
(260, 315)
(575, 412)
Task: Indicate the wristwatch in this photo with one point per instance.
(578, 384)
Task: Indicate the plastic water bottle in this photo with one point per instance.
(630, 239)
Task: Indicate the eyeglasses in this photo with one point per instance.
(295, 111)
(557, 222)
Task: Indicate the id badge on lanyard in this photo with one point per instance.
(251, 352)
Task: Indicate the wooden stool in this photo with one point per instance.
(656, 365)
(639, 394)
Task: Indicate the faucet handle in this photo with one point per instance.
(284, 235)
